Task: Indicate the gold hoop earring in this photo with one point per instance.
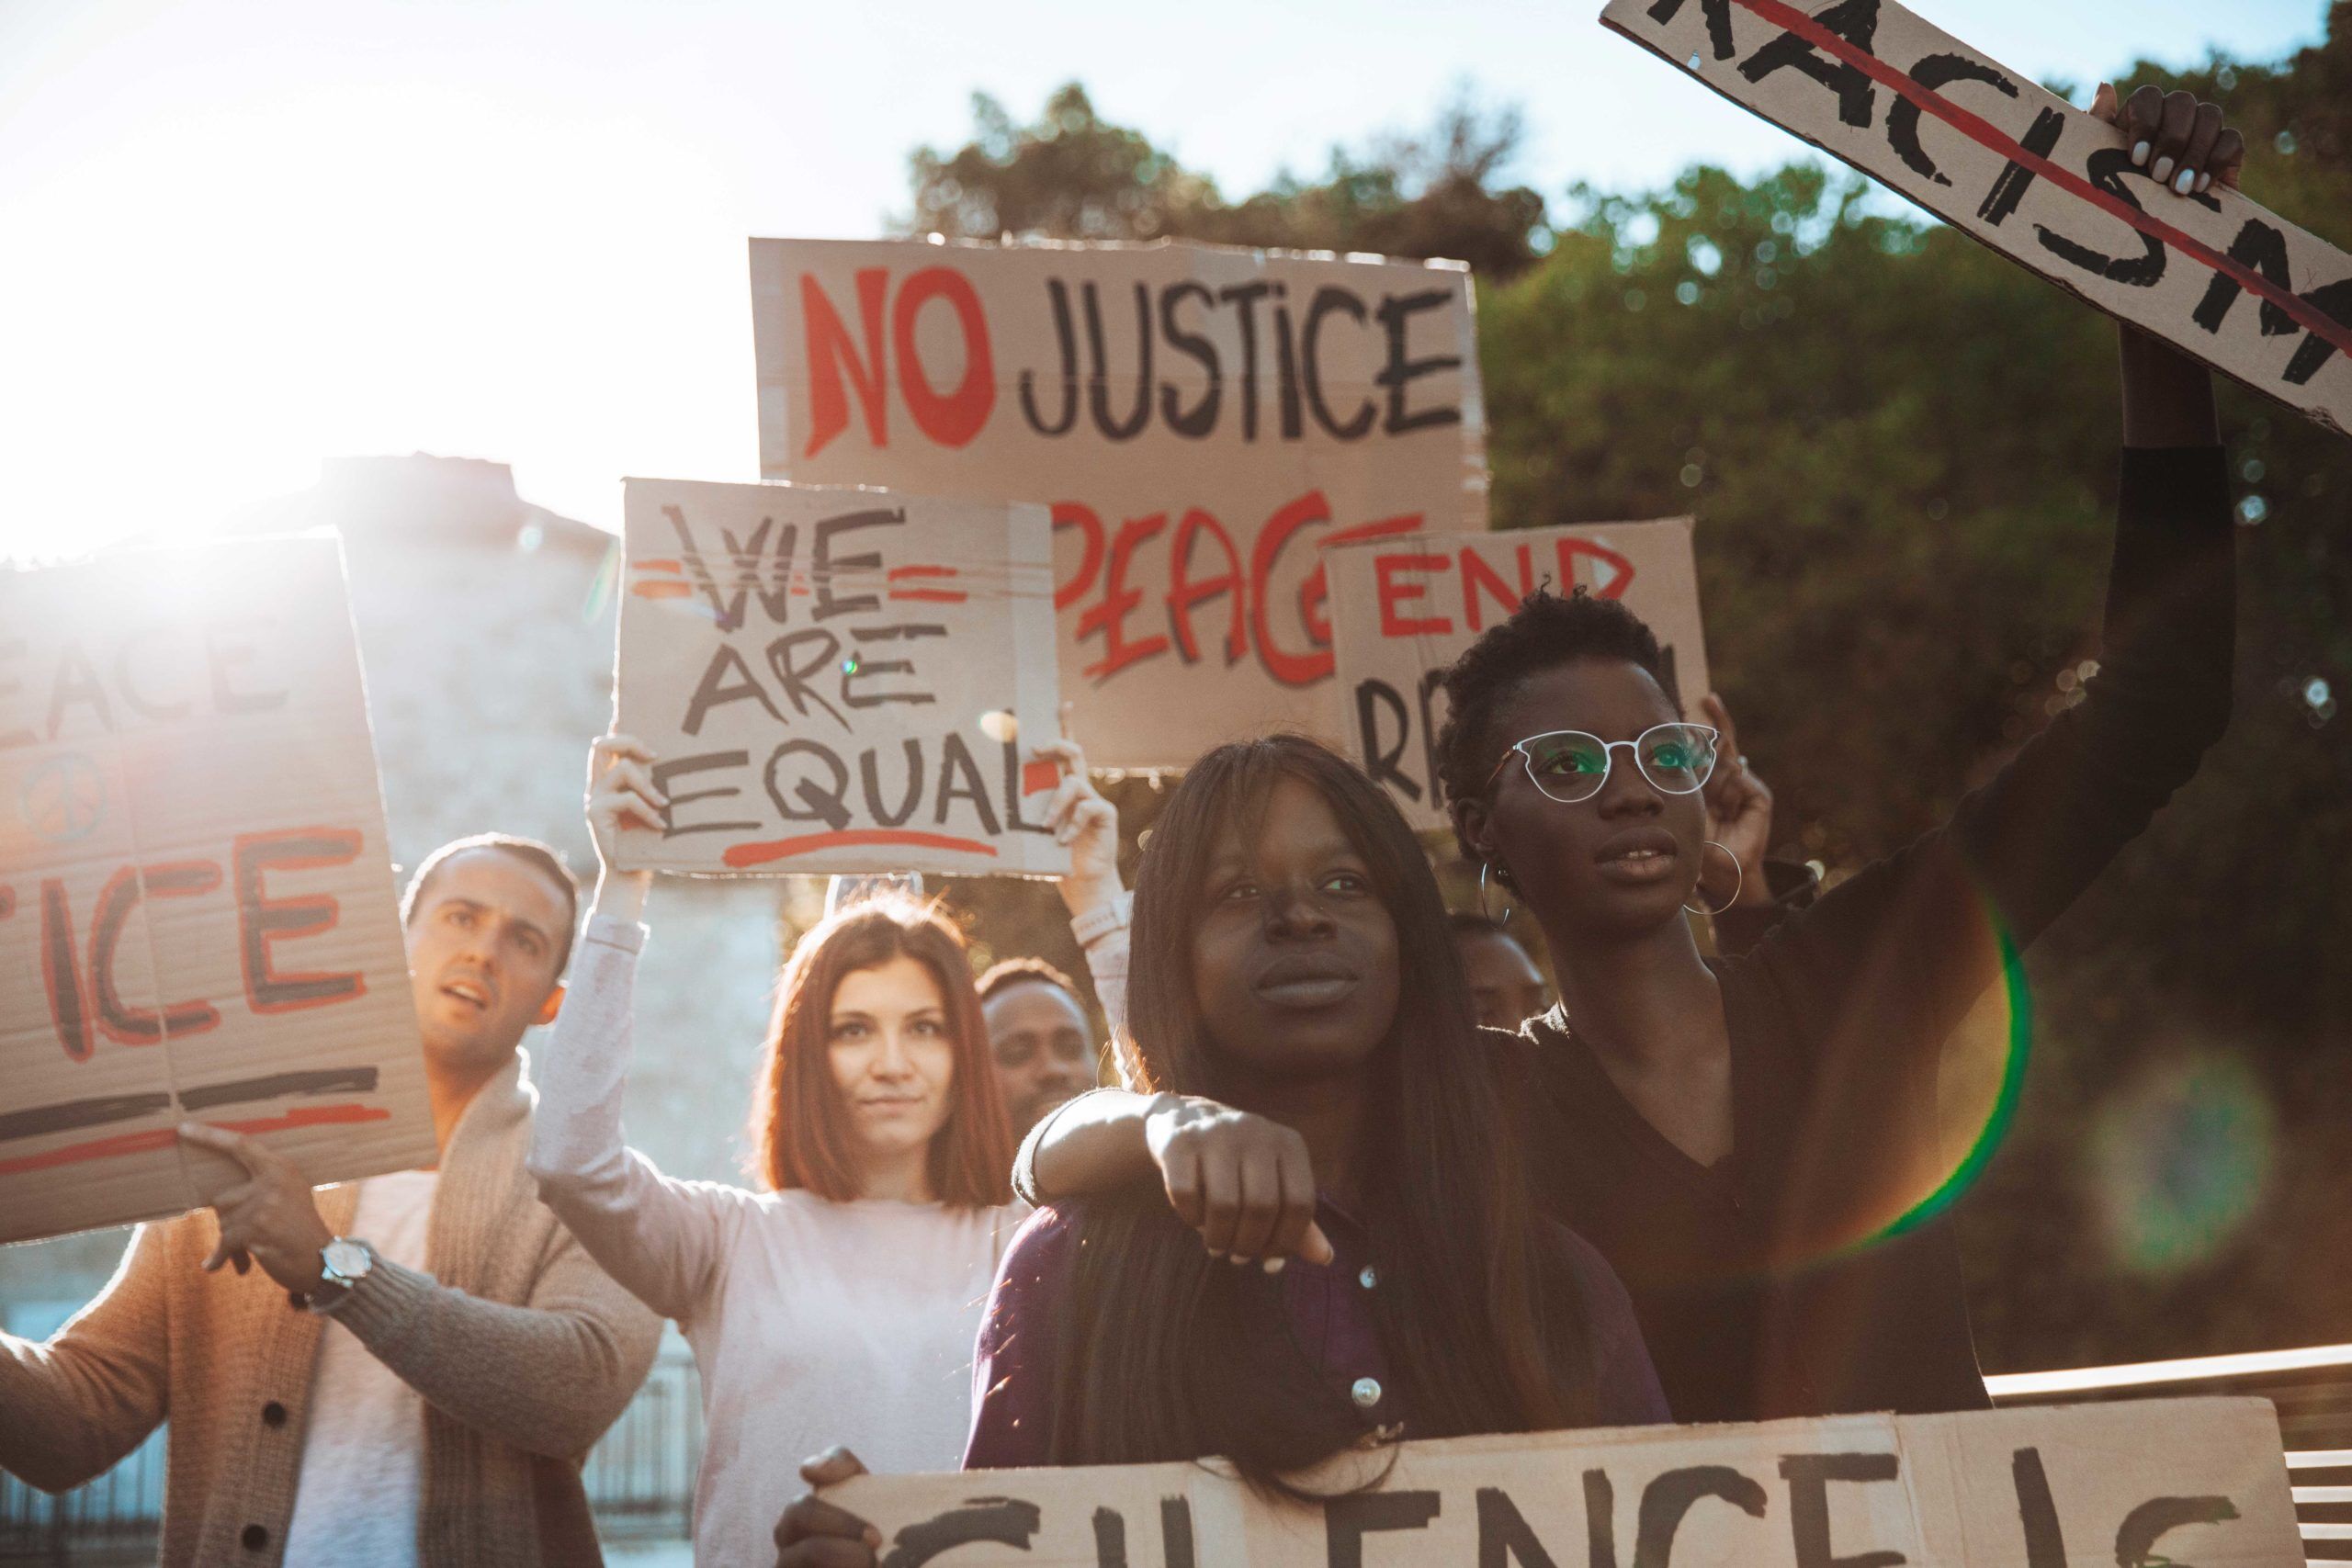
(1739, 880)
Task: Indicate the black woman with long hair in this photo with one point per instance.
(1752, 1140)
(1291, 959)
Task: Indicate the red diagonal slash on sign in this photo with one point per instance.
(1789, 19)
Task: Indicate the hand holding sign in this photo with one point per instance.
(2180, 141)
(1084, 823)
(269, 1217)
(813, 1533)
(621, 796)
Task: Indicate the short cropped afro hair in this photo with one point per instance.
(1546, 631)
(1024, 971)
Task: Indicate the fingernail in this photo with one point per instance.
(1214, 1253)
(2138, 153)
(2202, 181)
(2183, 184)
(873, 1538)
(1274, 1265)
(2163, 171)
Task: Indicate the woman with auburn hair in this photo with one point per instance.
(844, 1298)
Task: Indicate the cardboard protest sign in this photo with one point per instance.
(839, 680)
(2183, 1481)
(1404, 609)
(197, 919)
(2047, 185)
(1199, 419)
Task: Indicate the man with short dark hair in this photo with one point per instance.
(1506, 987)
(1043, 1047)
(423, 1360)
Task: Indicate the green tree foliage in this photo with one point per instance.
(1900, 448)
(1071, 174)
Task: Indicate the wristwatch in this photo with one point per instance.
(343, 1263)
(1115, 914)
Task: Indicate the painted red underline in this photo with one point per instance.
(1790, 19)
(929, 595)
(165, 1137)
(739, 856)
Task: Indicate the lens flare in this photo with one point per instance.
(602, 587)
(2179, 1159)
(1982, 1081)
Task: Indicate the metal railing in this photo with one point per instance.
(2312, 1389)
(639, 1478)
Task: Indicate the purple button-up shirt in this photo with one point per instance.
(1330, 1311)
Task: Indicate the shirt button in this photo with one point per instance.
(255, 1537)
(1369, 1278)
(273, 1415)
(1366, 1392)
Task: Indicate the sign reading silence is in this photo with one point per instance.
(839, 680)
(1198, 418)
(197, 911)
(2139, 1485)
(1404, 609)
(2048, 186)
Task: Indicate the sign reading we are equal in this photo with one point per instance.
(839, 680)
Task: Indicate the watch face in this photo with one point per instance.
(345, 1260)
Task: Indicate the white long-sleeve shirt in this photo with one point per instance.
(811, 1322)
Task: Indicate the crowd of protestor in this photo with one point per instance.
(1359, 1173)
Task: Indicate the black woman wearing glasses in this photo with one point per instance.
(1752, 1140)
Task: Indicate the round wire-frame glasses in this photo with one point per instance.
(1677, 759)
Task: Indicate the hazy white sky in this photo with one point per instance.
(242, 235)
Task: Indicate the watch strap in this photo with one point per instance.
(1115, 914)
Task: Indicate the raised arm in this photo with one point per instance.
(72, 1405)
(1923, 932)
(1098, 902)
(664, 1239)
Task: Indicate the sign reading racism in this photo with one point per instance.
(197, 912)
(2048, 186)
(1403, 609)
(2182, 1481)
(839, 680)
(1198, 418)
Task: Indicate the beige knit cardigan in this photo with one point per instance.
(524, 1350)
